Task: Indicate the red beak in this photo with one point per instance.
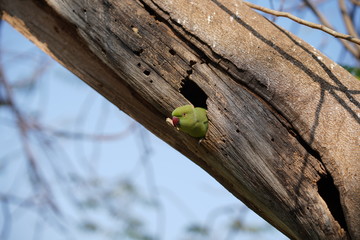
(175, 121)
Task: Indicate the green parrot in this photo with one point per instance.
(191, 120)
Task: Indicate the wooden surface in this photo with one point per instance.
(283, 119)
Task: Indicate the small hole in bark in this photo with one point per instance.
(189, 71)
(272, 139)
(192, 63)
(147, 72)
(84, 10)
(192, 92)
(139, 64)
(331, 196)
(138, 52)
(151, 81)
(237, 130)
(172, 52)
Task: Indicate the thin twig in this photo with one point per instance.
(317, 13)
(347, 20)
(36, 178)
(356, 2)
(355, 52)
(304, 22)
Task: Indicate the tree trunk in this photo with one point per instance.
(284, 120)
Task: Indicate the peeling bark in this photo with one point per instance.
(284, 120)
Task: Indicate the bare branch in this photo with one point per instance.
(318, 14)
(352, 49)
(304, 22)
(36, 178)
(347, 20)
(356, 2)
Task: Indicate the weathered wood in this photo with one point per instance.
(284, 120)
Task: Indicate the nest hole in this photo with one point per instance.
(193, 93)
(330, 194)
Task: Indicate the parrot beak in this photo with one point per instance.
(175, 121)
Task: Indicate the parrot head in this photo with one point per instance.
(190, 120)
(183, 114)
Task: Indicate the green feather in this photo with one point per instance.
(192, 121)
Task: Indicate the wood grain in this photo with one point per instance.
(283, 119)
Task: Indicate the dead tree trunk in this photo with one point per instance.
(284, 120)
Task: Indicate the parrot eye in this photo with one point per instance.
(184, 114)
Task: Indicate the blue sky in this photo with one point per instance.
(60, 102)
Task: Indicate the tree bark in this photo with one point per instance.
(284, 120)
